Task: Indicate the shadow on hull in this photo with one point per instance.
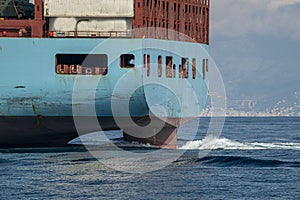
(40, 131)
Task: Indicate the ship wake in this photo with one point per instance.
(227, 144)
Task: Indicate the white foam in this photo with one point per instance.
(209, 143)
(226, 144)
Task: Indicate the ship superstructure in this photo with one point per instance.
(105, 18)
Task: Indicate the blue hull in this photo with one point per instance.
(32, 92)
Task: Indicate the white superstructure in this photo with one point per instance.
(89, 15)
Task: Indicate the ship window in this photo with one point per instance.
(174, 71)
(205, 67)
(159, 66)
(194, 67)
(81, 64)
(169, 63)
(185, 67)
(145, 60)
(127, 61)
(148, 65)
(180, 71)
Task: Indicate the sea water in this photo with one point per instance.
(254, 158)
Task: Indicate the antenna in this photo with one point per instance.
(15, 7)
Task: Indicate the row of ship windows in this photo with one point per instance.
(97, 64)
(171, 67)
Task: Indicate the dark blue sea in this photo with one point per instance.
(254, 158)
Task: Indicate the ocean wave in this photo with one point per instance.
(227, 144)
(240, 161)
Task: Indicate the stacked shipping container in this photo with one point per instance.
(162, 19)
(189, 17)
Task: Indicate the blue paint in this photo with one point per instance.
(29, 85)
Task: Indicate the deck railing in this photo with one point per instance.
(89, 34)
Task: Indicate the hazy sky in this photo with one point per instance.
(256, 44)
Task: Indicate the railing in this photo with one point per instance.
(15, 32)
(89, 34)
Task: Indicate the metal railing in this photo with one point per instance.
(89, 34)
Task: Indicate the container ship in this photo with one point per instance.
(72, 67)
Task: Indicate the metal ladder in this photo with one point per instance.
(3, 5)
